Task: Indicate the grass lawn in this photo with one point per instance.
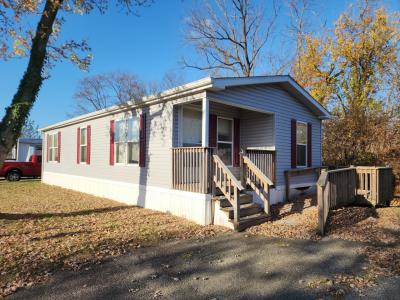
(44, 228)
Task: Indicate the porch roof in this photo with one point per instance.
(207, 83)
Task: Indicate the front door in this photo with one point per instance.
(225, 140)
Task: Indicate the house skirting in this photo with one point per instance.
(192, 206)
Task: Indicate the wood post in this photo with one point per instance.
(205, 121)
(236, 206)
(322, 201)
(243, 170)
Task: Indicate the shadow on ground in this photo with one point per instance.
(230, 266)
(295, 206)
(33, 216)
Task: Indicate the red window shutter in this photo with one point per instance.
(236, 142)
(48, 146)
(309, 145)
(293, 143)
(59, 146)
(111, 142)
(212, 131)
(78, 144)
(142, 140)
(88, 139)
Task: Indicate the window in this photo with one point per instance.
(301, 144)
(83, 145)
(53, 147)
(191, 128)
(225, 140)
(127, 141)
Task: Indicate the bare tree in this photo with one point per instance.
(104, 90)
(117, 88)
(229, 35)
(30, 130)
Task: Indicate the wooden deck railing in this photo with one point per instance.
(257, 180)
(228, 184)
(265, 160)
(191, 169)
(375, 184)
(341, 187)
(334, 188)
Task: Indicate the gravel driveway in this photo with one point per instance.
(229, 266)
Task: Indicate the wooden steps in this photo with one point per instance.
(252, 220)
(247, 209)
(235, 209)
(250, 212)
(243, 198)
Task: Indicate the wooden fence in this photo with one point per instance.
(265, 160)
(342, 187)
(191, 169)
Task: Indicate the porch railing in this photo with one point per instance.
(342, 187)
(191, 169)
(264, 160)
(257, 180)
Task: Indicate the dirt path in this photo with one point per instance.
(229, 266)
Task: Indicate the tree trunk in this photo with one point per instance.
(28, 89)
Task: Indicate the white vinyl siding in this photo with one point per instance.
(159, 123)
(157, 171)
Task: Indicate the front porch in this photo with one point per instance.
(228, 152)
(206, 128)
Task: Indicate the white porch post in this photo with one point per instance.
(205, 121)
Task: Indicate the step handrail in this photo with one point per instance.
(257, 171)
(228, 172)
(250, 175)
(229, 186)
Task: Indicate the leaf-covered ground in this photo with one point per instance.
(44, 228)
(297, 219)
(377, 230)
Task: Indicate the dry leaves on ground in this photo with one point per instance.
(295, 220)
(43, 228)
(377, 229)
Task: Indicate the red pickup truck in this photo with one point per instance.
(14, 170)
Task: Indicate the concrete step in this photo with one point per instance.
(247, 209)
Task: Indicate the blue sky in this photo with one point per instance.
(149, 45)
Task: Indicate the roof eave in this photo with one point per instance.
(196, 86)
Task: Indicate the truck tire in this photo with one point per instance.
(14, 175)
